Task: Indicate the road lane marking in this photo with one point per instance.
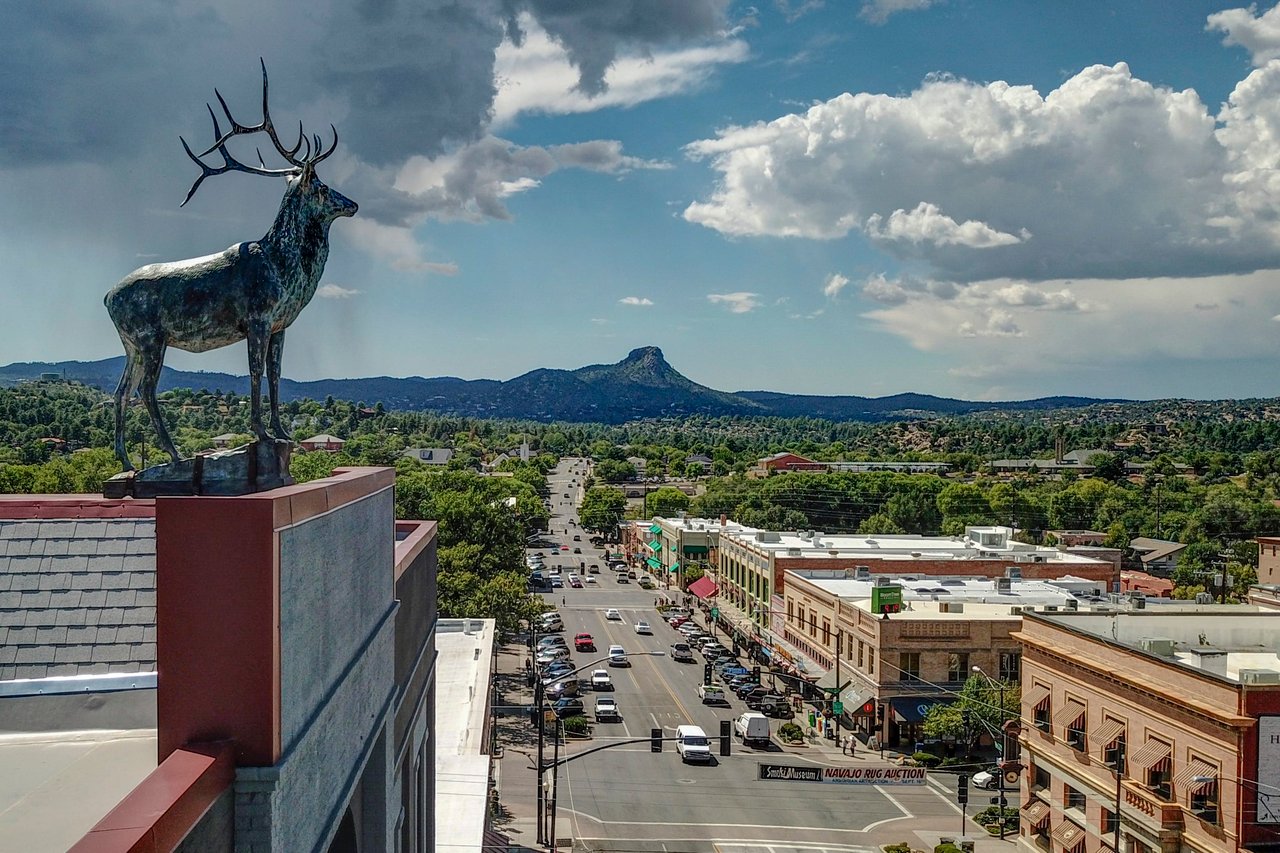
(899, 806)
(595, 819)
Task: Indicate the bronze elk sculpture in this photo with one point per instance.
(251, 291)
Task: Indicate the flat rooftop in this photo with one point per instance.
(464, 655)
(57, 785)
(922, 598)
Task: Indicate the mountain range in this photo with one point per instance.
(642, 385)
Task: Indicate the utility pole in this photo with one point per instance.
(835, 699)
(1120, 761)
(555, 785)
(1004, 755)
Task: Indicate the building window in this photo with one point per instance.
(1204, 801)
(813, 624)
(871, 663)
(1159, 781)
(800, 610)
(1074, 799)
(1010, 666)
(861, 649)
(958, 666)
(909, 666)
(790, 609)
(1111, 755)
(1040, 779)
(1042, 718)
(1109, 823)
(826, 633)
(1071, 718)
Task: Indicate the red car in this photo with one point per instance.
(584, 642)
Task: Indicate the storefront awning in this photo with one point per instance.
(674, 548)
(911, 709)
(675, 567)
(654, 528)
(704, 587)
(695, 549)
(655, 546)
(654, 563)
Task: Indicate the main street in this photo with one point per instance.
(630, 799)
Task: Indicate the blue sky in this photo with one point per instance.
(976, 199)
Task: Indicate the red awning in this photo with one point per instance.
(704, 587)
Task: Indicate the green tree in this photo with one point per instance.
(668, 502)
(975, 712)
(602, 508)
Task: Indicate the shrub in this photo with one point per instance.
(790, 731)
(575, 725)
(946, 848)
(900, 847)
(926, 759)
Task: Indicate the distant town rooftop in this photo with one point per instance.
(1232, 641)
(976, 543)
(981, 598)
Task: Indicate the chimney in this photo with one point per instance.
(1059, 449)
(1211, 660)
(723, 519)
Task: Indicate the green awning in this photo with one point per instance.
(675, 567)
(654, 563)
(654, 528)
(695, 549)
(655, 546)
(674, 548)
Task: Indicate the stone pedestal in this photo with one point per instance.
(255, 467)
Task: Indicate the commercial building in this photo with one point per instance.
(1268, 560)
(780, 463)
(753, 563)
(463, 759)
(1184, 702)
(665, 546)
(218, 673)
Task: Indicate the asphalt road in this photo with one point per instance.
(630, 799)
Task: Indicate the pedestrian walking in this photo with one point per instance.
(853, 747)
(564, 599)
(844, 744)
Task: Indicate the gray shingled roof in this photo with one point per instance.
(77, 597)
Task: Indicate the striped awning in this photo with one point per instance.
(1036, 813)
(1068, 713)
(655, 546)
(654, 563)
(1196, 776)
(1069, 835)
(1152, 753)
(1106, 734)
(654, 528)
(675, 567)
(1036, 696)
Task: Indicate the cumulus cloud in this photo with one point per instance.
(336, 291)
(927, 224)
(1244, 27)
(636, 301)
(997, 324)
(834, 284)
(740, 302)
(1107, 176)
(878, 11)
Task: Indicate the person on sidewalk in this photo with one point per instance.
(844, 744)
(853, 747)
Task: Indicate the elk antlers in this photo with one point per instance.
(229, 163)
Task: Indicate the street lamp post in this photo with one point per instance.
(1004, 744)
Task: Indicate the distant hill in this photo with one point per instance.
(642, 385)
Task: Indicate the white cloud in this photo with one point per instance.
(537, 77)
(636, 301)
(878, 11)
(927, 224)
(997, 324)
(740, 302)
(1107, 176)
(335, 291)
(834, 284)
(395, 245)
(1258, 34)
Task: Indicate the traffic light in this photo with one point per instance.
(706, 673)
(962, 789)
(655, 740)
(724, 737)
(755, 674)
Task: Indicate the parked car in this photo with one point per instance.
(571, 707)
(577, 550)
(607, 710)
(681, 652)
(744, 688)
(712, 694)
(555, 672)
(563, 689)
(577, 538)
(732, 671)
(550, 640)
(552, 655)
(752, 727)
(774, 705)
(584, 642)
(600, 680)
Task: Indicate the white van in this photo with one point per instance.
(752, 727)
(692, 744)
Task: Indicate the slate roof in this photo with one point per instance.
(77, 597)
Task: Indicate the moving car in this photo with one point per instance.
(590, 579)
(681, 652)
(600, 680)
(576, 583)
(607, 710)
(989, 779)
(556, 583)
(622, 577)
(577, 550)
(642, 627)
(692, 744)
(618, 656)
(645, 583)
(577, 538)
(595, 569)
(584, 642)
(712, 694)
(612, 613)
(752, 727)
(569, 708)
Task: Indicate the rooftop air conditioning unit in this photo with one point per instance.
(1037, 558)
(1138, 603)
(950, 607)
(1019, 609)
(1259, 676)
(805, 535)
(862, 573)
(1050, 608)
(793, 552)
(1162, 646)
(1004, 585)
(1013, 573)
(1071, 604)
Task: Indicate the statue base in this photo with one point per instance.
(256, 467)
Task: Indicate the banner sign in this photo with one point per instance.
(844, 775)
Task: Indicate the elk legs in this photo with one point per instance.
(257, 339)
(152, 359)
(275, 352)
(129, 380)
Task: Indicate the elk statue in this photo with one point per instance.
(250, 292)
